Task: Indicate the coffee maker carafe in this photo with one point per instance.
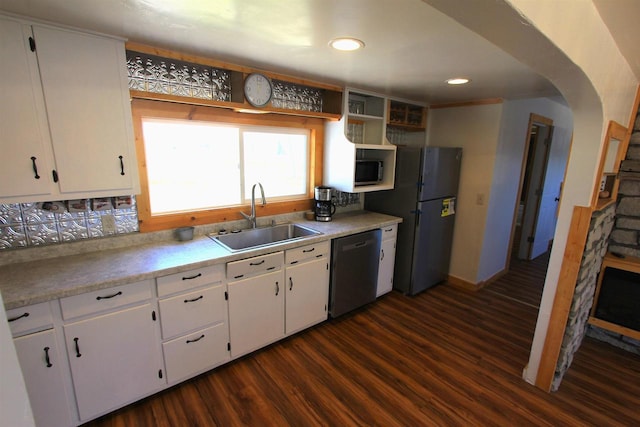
(324, 208)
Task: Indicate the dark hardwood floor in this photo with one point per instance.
(445, 357)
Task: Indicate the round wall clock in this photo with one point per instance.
(258, 90)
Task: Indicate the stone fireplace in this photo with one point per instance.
(625, 237)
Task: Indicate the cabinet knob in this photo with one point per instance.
(121, 165)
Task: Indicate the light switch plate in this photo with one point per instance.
(108, 224)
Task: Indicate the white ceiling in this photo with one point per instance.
(411, 48)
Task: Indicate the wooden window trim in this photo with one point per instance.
(160, 109)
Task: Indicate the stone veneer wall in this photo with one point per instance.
(625, 237)
(594, 252)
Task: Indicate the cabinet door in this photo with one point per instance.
(307, 294)
(24, 122)
(385, 270)
(84, 84)
(42, 366)
(190, 354)
(256, 312)
(114, 359)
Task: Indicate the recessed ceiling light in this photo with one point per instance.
(346, 44)
(458, 81)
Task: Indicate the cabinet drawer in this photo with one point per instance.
(105, 299)
(197, 352)
(31, 318)
(191, 279)
(251, 266)
(317, 250)
(389, 232)
(186, 312)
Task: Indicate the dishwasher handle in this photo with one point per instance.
(357, 245)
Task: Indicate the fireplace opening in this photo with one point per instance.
(619, 298)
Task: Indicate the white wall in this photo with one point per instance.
(508, 168)
(476, 130)
(15, 410)
(567, 42)
(596, 54)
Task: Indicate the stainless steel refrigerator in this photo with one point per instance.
(424, 195)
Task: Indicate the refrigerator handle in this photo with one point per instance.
(417, 213)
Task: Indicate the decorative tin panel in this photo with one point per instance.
(296, 97)
(10, 214)
(12, 236)
(155, 74)
(37, 224)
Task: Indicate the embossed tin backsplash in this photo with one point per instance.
(28, 224)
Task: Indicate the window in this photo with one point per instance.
(199, 164)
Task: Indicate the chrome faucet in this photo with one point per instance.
(252, 218)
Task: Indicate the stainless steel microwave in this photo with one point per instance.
(369, 172)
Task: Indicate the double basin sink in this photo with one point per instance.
(261, 237)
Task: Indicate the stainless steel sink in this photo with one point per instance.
(260, 237)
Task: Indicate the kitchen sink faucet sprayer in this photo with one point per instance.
(252, 218)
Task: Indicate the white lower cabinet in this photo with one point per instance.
(197, 352)
(114, 356)
(43, 372)
(307, 284)
(256, 312)
(256, 302)
(195, 329)
(387, 260)
(128, 342)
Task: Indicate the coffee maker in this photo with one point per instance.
(324, 207)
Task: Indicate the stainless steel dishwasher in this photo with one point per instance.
(354, 271)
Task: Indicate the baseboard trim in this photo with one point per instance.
(461, 283)
(470, 286)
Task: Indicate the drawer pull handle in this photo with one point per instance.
(77, 347)
(46, 357)
(194, 299)
(388, 229)
(305, 251)
(257, 263)
(109, 296)
(290, 283)
(277, 288)
(192, 277)
(196, 339)
(35, 168)
(13, 319)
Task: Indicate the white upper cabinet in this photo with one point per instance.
(359, 135)
(25, 143)
(83, 146)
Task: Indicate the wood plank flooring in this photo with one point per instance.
(447, 357)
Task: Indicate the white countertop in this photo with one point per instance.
(32, 282)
